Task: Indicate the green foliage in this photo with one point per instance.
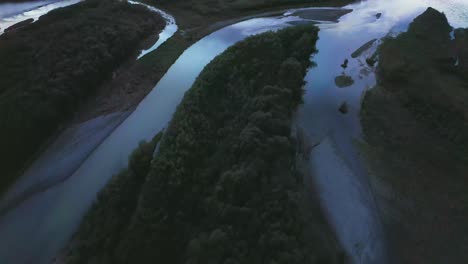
(101, 228)
(419, 68)
(49, 67)
(461, 49)
(426, 43)
(223, 187)
(415, 124)
(343, 81)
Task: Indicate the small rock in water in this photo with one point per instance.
(370, 61)
(378, 15)
(345, 64)
(344, 108)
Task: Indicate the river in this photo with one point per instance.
(12, 13)
(335, 164)
(71, 148)
(35, 229)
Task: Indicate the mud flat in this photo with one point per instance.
(322, 14)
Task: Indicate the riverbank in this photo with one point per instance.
(113, 208)
(43, 83)
(134, 81)
(243, 215)
(195, 15)
(60, 159)
(14, 12)
(416, 143)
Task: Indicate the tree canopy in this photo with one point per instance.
(49, 67)
(224, 187)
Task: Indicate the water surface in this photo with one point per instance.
(12, 13)
(165, 34)
(335, 164)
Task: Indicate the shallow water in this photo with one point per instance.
(168, 31)
(61, 158)
(11, 9)
(12, 13)
(335, 164)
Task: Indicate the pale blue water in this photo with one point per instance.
(335, 165)
(12, 13)
(168, 31)
(11, 9)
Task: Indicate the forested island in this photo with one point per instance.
(50, 67)
(416, 128)
(223, 186)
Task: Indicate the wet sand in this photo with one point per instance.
(61, 159)
(322, 14)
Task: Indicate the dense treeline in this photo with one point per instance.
(416, 129)
(224, 187)
(49, 67)
(424, 68)
(115, 204)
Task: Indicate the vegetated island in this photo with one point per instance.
(195, 19)
(343, 81)
(416, 130)
(50, 67)
(223, 186)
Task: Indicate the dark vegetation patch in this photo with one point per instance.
(416, 129)
(419, 67)
(224, 187)
(343, 108)
(19, 24)
(343, 81)
(49, 67)
(113, 208)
